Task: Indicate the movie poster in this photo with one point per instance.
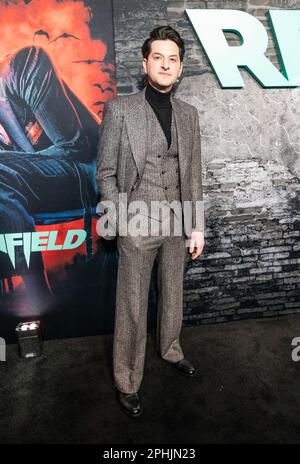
(56, 73)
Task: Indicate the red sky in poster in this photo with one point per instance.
(62, 28)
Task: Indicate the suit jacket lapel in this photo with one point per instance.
(137, 132)
(181, 121)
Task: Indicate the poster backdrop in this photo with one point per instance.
(56, 72)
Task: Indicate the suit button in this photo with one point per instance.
(166, 188)
(158, 156)
(177, 186)
(163, 172)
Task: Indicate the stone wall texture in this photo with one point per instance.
(250, 266)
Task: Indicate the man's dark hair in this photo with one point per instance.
(163, 33)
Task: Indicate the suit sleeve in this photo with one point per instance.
(108, 154)
(198, 218)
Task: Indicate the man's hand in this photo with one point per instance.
(197, 243)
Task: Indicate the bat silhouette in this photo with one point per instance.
(89, 61)
(65, 35)
(99, 102)
(106, 89)
(41, 32)
(107, 70)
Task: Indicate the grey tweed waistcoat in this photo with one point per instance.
(160, 179)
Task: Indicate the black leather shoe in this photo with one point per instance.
(130, 403)
(185, 367)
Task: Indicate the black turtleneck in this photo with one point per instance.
(161, 104)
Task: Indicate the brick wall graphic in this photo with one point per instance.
(251, 154)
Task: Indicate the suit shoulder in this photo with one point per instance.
(122, 102)
(187, 106)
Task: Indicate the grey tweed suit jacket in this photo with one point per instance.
(122, 151)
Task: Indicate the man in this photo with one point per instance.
(150, 150)
(47, 155)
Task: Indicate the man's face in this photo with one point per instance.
(163, 65)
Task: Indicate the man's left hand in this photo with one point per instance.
(196, 243)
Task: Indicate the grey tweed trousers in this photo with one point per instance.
(136, 259)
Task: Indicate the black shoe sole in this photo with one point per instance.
(129, 413)
(186, 374)
(179, 370)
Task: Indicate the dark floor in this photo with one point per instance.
(247, 390)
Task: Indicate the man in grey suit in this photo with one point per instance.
(149, 154)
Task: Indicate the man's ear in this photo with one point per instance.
(181, 68)
(145, 65)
